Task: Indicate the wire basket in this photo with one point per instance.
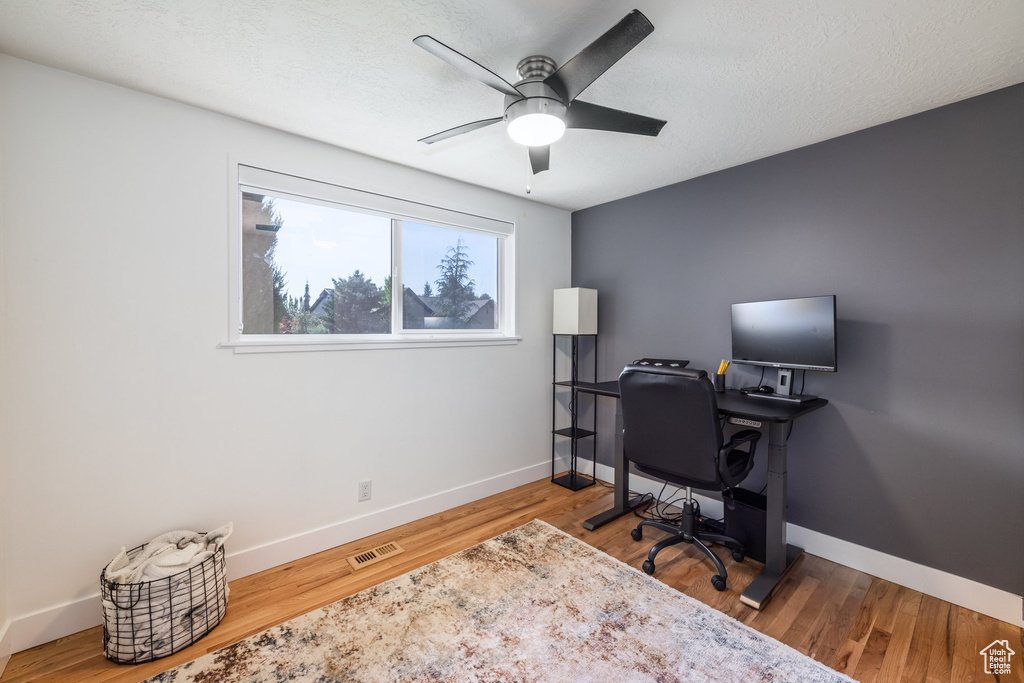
(154, 619)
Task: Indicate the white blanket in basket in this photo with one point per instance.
(167, 554)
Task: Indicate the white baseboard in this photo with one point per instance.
(979, 597)
(253, 560)
(993, 602)
(5, 645)
(56, 622)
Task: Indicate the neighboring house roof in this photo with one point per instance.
(432, 302)
(421, 300)
(472, 307)
(317, 306)
(480, 315)
(476, 307)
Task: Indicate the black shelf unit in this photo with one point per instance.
(573, 480)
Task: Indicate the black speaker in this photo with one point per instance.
(745, 521)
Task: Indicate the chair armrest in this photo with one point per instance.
(750, 436)
(733, 470)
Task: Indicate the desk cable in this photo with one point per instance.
(655, 508)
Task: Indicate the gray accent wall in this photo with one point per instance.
(917, 226)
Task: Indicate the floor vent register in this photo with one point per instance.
(381, 552)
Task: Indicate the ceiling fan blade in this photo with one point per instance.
(458, 130)
(595, 117)
(579, 72)
(466, 65)
(540, 157)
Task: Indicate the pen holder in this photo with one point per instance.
(719, 383)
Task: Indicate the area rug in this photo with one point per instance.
(533, 604)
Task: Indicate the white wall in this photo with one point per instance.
(5, 643)
(124, 419)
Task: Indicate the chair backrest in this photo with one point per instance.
(670, 424)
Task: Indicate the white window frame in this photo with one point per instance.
(264, 181)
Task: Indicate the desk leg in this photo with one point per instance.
(779, 555)
(622, 502)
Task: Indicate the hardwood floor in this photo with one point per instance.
(870, 629)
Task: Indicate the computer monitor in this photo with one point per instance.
(789, 334)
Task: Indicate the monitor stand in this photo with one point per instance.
(783, 392)
(784, 389)
(785, 384)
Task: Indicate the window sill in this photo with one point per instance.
(301, 345)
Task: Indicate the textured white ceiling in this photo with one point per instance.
(736, 80)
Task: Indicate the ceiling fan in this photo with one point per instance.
(542, 104)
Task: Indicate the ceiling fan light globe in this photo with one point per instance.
(536, 130)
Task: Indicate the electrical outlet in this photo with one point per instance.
(364, 490)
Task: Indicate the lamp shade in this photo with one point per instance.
(575, 311)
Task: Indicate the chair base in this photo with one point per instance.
(700, 540)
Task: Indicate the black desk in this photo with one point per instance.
(599, 388)
(779, 417)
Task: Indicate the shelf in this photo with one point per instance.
(574, 433)
(573, 479)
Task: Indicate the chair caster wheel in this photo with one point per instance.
(637, 535)
(738, 555)
(718, 582)
(649, 568)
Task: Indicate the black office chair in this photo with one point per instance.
(671, 431)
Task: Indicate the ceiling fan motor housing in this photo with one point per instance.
(535, 67)
(538, 98)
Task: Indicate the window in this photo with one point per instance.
(464, 270)
(320, 264)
